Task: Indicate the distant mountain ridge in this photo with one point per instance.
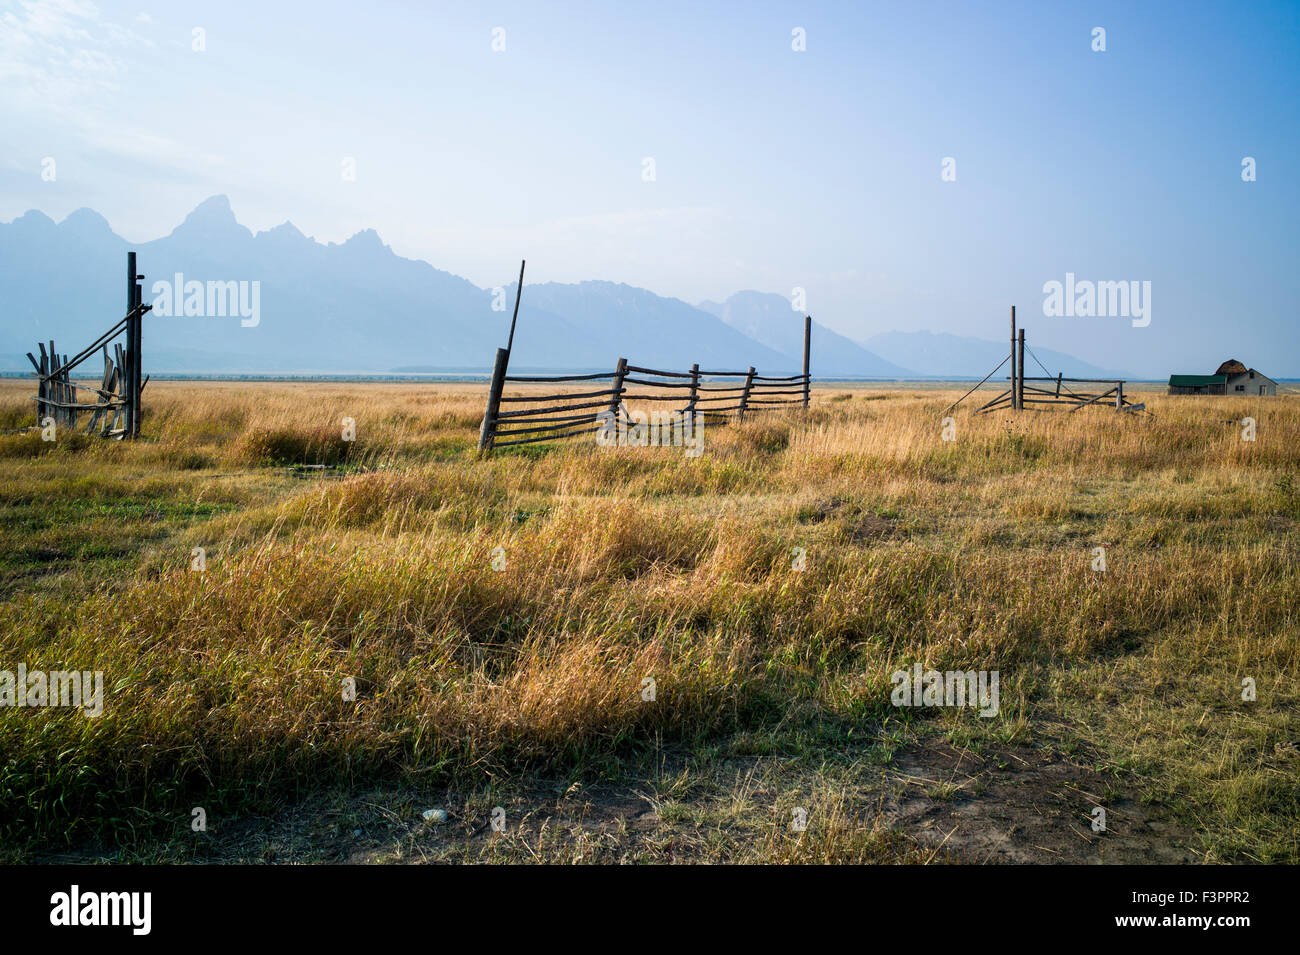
(942, 355)
(351, 307)
(769, 319)
(357, 307)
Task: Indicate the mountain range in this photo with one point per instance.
(357, 307)
(943, 355)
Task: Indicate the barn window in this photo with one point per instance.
(1241, 387)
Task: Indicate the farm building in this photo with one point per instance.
(1231, 378)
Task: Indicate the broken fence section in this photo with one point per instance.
(715, 397)
(114, 405)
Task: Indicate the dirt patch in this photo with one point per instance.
(1020, 806)
(818, 511)
(873, 527)
(936, 802)
(855, 523)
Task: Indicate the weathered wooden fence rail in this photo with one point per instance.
(715, 397)
(115, 408)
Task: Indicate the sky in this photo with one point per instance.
(483, 133)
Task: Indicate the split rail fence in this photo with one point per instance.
(715, 397)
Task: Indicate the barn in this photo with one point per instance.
(1231, 378)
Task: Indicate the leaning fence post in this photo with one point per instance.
(53, 393)
(40, 385)
(616, 399)
(744, 395)
(70, 393)
(123, 381)
(807, 342)
(56, 368)
(695, 391)
(489, 428)
(51, 390)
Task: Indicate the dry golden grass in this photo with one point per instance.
(624, 564)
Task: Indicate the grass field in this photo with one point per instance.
(522, 686)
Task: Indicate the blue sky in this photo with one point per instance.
(774, 168)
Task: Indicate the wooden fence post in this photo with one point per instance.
(58, 392)
(40, 383)
(489, 427)
(119, 421)
(55, 411)
(1020, 384)
(695, 390)
(134, 294)
(1014, 403)
(744, 395)
(52, 389)
(616, 399)
(128, 423)
(807, 342)
(71, 391)
(519, 293)
(1119, 396)
(65, 416)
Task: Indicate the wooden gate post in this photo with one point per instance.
(1020, 385)
(744, 395)
(131, 392)
(1015, 405)
(487, 432)
(807, 342)
(137, 368)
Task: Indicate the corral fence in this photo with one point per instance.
(114, 406)
(1048, 391)
(715, 397)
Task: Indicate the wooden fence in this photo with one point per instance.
(1074, 393)
(115, 408)
(715, 397)
(60, 399)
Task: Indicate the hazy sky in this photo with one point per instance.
(774, 168)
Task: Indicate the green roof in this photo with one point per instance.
(1196, 381)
